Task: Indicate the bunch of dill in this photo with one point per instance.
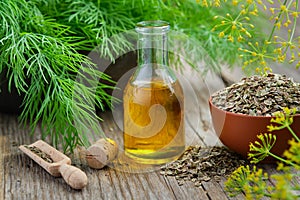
(40, 45)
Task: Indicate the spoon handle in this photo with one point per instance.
(76, 178)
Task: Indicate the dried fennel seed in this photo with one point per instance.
(40, 153)
(203, 164)
(259, 95)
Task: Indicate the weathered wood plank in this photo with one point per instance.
(2, 172)
(214, 190)
(21, 178)
(222, 185)
(161, 185)
(24, 179)
(197, 90)
(187, 190)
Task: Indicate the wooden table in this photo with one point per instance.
(21, 178)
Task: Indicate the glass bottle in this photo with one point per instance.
(153, 101)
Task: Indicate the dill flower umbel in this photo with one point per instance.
(260, 53)
(259, 150)
(293, 154)
(252, 181)
(249, 180)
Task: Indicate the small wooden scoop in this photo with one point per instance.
(61, 165)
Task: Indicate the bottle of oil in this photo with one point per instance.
(153, 101)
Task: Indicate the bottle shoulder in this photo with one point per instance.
(153, 73)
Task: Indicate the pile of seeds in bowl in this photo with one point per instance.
(203, 164)
(259, 95)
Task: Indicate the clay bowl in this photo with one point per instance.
(236, 131)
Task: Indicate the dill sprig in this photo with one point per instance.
(42, 63)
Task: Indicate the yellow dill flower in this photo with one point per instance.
(288, 154)
(286, 110)
(217, 3)
(292, 59)
(251, 25)
(272, 128)
(233, 27)
(279, 119)
(278, 50)
(247, 18)
(235, 2)
(248, 34)
(284, 44)
(266, 69)
(230, 38)
(240, 38)
(267, 42)
(283, 8)
(243, 12)
(295, 14)
(283, 187)
(254, 54)
(281, 59)
(221, 34)
(278, 25)
(263, 63)
(238, 180)
(293, 153)
(280, 166)
(293, 47)
(285, 24)
(204, 3)
(254, 12)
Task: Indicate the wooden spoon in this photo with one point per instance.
(61, 165)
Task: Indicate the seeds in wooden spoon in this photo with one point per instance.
(40, 153)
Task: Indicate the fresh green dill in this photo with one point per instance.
(40, 54)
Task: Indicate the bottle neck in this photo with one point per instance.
(153, 50)
(153, 61)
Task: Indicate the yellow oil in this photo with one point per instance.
(154, 122)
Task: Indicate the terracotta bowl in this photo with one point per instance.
(236, 131)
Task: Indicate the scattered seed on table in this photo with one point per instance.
(203, 164)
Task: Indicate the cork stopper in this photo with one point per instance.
(101, 153)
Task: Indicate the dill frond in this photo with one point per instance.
(41, 41)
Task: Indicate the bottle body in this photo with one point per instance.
(153, 107)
